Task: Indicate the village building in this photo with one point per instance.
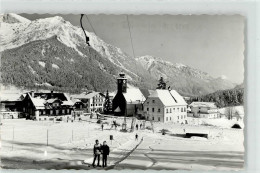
(10, 105)
(78, 108)
(165, 106)
(92, 101)
(127, 101)
(46, 106)
(204, 110)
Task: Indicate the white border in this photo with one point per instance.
(250, 9)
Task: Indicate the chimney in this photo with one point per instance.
(121, 83)
(52, 94)
(32, 93)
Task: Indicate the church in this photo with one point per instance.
(127, 101)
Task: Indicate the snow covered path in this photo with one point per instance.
(29, 150)
(162, 153)
(69, 144)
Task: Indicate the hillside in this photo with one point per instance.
(51, 53)
(185, 79)
(223, 98)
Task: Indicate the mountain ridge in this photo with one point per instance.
(101, 59)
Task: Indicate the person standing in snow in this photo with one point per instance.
(136, 136)
(102, 126)
(96, 153)
(105, 152)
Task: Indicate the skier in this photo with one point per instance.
(102, 126)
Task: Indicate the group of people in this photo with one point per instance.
(136, 126)
(100, 150)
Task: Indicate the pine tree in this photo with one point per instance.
(161, 84)
(107, 104)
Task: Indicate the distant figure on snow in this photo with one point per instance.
(136, 136)
(102, 126)
(136, 126)
(105, 152)
(96, 153)
(140, 126)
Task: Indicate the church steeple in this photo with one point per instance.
(121, 83)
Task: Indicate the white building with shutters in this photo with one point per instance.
(165, 106)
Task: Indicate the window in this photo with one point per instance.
(178, 109)
(181, 109)
(184, 109)
(153, 118)
(159, 110)
(158, 118)
(170, 110)
(152, 109)
(174, 109)
(170, 118)
(153, 101)
(148, 109)
(166, 118)
(178, 117)
(166, 110)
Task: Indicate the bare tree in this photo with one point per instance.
(229, 111)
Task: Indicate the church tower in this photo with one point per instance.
(119, 102)
(121, 83)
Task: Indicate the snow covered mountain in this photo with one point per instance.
(185, 79)
(51, 52)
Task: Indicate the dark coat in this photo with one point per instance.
(96, 149)
(105, 150)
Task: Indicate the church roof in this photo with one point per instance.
(134, 95)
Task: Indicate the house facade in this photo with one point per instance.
(92, 101)
(204, 110)
(46, 106)
(165, 106)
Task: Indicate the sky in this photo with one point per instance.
(211, 43)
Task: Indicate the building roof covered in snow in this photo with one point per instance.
(134, 95)
(44, 100)
(145, 92)
(38, 102)
(93, 94)
(203, 104)
(10, 97)
(85, 95)
(168, 98)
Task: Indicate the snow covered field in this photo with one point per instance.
(24, 146)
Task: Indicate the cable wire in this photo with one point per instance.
(130, 36)
(91, 25)
(87, 38)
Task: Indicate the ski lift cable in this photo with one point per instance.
(130, 36)
(91, 25)
(87, 38)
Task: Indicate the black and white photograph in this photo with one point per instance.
(115, 92)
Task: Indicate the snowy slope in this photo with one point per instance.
(17, 32)
(185, 79)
